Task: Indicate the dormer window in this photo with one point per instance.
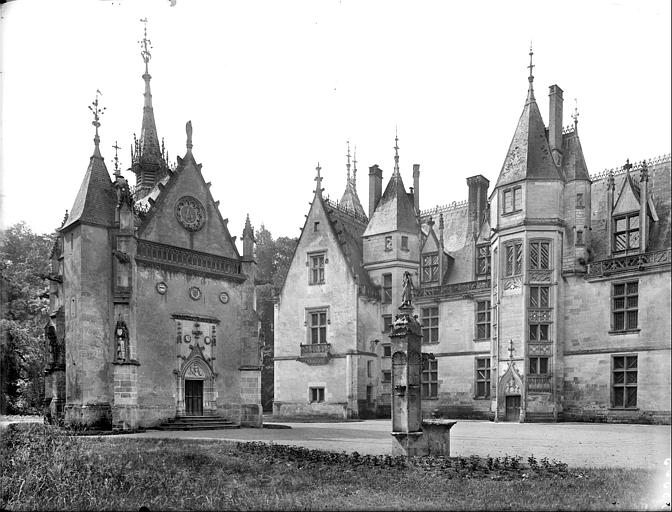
(513, 199)
(430, 268)
(626, 233)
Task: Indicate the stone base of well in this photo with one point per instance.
(433, 439)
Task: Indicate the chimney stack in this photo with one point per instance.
(416, 187)
(555, 122)
(375, 187)
(478, 201)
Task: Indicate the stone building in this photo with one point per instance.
(545, 298)
(152, 303)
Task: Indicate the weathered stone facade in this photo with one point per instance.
(153, 305)
(543, 299)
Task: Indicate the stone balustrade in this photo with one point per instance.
(628, 263)
(455, 289)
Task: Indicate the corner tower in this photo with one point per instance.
(527, 226)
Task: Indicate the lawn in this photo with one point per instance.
(44, 468)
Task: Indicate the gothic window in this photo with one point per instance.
(317, 326)
(387, 288)
(539, 332)
(483, 320)
(514, 259)
(579, 201)
(404, 243)
(317, 268)
(387, 324)
(625, 305)
(513, 200)
(430, 379)
(538, 365)
(430, 325)
(540, 255)
(316, 395)
(626, 233)
(624, 381)
(430, 268)
(483, 260)
(482, 377)
(540, 297)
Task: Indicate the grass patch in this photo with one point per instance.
(45, 468)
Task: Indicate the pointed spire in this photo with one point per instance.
(190, 132)
(530, 78)
(318, 179)
(117, 171)
(575, 115)
(248, 238)
(396, 152)
(354, 170)
(348, 164)
(97, 112)
(149, 148)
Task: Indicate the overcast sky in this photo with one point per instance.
(274, 87)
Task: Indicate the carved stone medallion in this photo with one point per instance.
(195, 293)
(161, 288)
(223, 297)
(190, 213)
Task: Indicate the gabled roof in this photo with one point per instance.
(529, 155)
(573, 163)
(96, 199)
(394, 212)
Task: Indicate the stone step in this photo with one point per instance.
(209, 426)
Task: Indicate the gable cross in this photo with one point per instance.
(511, 349)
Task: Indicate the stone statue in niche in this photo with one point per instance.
(407, 291)
(121, 336)
(123, 191)
(52, 342)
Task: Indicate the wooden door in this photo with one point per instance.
(193, 397)
(513, 408)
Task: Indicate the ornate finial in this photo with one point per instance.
(117, 171)
(97, 112)
(530, 78)
(65, 218)
(511, 349)
(611, 184)
(396, 151)
(644, 172)
(575, 115)
(189, 133)
(146, 47)
(348, 164)
(627, 165)
(441, 225)
(318, 179)
(354, 169)
(430, 221)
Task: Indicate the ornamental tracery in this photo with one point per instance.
(190, 213)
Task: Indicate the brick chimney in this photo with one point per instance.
(478, 201)
(416, 187)
(555, 122)
(375, 187)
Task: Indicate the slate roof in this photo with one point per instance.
(573, 163)
(394, 211)
(96, 199)
(350, 200)
(529, 155)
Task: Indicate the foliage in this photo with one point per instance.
(24, 258)
(273, 258)
(46, 468)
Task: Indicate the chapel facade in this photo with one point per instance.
(152, 305)
(544, 298)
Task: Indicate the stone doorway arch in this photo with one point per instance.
(196, 382)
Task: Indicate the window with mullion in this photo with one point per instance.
(430, 379)
(318, 327)
(540, 297)
(540, 255)
(538, 365)
(514, 259)
(430, 325)
(483, 260)
(513, 199)
(624, 381)
(625, 305)
(387, 288)
(482, 377)
(483, 320)
(317, 269)
(626, 233)
(430, 268)
(539, 332)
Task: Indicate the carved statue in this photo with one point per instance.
(124, 195)
(407, 291)
(121, 335)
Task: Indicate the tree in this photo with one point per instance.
(273, 258)
(24, 258)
